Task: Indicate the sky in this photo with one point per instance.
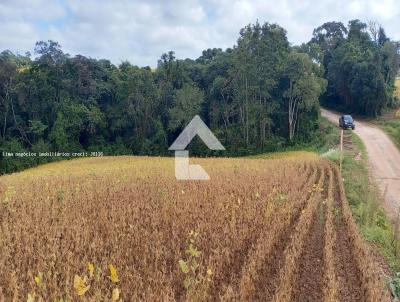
(140, 31)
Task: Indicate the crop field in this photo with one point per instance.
(123, 229)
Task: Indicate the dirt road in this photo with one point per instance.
(384, 159)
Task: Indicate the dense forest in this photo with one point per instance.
(360, 64)
(261, 95)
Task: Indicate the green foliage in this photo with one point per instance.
(37, 128)
(196, 281)
(394, 285)
(58, 135)
(363, 198)
(260, 96)
(11, 164)
(304, 90)
(360, 67)
(333, 155)
(60, 196)
(187, 104)
(393, 129)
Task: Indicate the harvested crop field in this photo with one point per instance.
(122, 228)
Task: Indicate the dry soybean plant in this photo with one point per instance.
(124, 229)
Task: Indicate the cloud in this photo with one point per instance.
(141, 31)
(31, 10)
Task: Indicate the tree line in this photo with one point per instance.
(360, 64)
(260, 95)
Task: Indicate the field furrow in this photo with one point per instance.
(311, 280)
(310, 276)
(289, 272)
(259, 274)
(262, 230)
(330, 278)
(346, 268)
(368, 286)
(280, 213)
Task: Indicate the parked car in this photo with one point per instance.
(346, 122)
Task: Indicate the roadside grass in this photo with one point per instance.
(392, 125)
(392, 128)
(390, 120)
(363, 197)
(329, 136)
(362, 193)
(324, 140)
(324, 143)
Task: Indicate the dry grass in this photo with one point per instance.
(398, 87)
(123, 228)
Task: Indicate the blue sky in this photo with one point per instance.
(140, 31)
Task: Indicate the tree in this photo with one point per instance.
(328, 37)
(382, 39)
(187, 104)
(374, 27)
(257, 96)
(58, 135)
(7, 74)
(36, 129)
(304, 88)
(258, 62)
(361, 68)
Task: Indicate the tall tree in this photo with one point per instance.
(361, 68)
(304, 88)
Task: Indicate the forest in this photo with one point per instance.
(261, 95)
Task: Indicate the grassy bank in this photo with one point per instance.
(392, 128)
(323, 140)
(362, 193)
(364, 199)
(390, 122)
(363, 196)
